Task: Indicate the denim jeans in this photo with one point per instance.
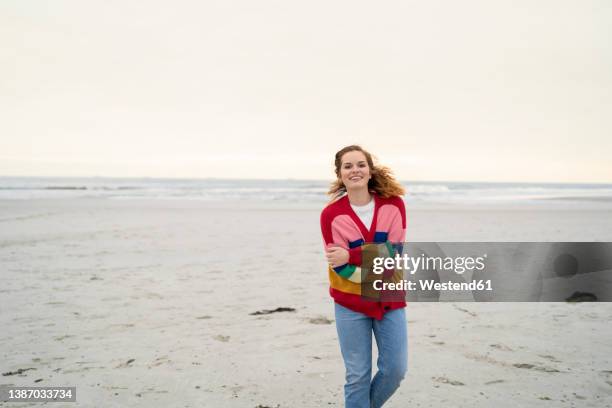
(355, 335)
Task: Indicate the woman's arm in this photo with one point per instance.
(343, 259)
(348, 262)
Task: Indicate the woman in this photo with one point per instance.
(366, 209)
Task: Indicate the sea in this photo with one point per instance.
(291, 191)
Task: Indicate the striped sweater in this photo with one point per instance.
(340, 226)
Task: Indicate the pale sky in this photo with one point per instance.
(439, 90)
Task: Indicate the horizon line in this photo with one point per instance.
(302, 179)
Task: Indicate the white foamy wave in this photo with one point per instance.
(294, 191)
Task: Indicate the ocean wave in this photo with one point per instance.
(286, 190)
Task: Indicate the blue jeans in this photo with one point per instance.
(355, 335)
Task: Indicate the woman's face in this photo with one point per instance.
(354, 170)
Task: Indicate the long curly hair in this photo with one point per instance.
(382, 181)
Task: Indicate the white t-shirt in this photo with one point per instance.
(365, 213)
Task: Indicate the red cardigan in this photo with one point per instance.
(340, 226)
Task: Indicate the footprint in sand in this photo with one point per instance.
(444, 380)
(126, 363)
(320, 320)
(60, 338)
(159, 361)
(501, 347)
(222, 338)
(536, 367)
(549, 358)
(608, 375)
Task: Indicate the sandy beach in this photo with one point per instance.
(163, 168)
(150, 303)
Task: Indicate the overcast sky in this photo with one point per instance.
(470, 90)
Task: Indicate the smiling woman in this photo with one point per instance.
(356, 163)
(366, 208)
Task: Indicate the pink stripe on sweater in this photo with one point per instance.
(344, 230)
(390, 219)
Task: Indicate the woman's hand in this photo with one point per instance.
(336, 256)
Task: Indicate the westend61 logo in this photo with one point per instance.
(412, 264)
